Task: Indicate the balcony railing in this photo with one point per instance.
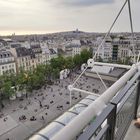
(114, 121)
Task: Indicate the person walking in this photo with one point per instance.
(42, 118)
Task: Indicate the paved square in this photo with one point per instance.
(44, 103)
(6, 124)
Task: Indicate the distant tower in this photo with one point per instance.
(13, 36)
(77, 31)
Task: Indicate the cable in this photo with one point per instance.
(100, 78)
(132, 31)
(138, 57)
(101, 45)
(109, 29)
(79, 76)
(102, 41)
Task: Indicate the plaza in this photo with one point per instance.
(28, 115)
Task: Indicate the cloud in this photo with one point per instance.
(60, 15)
(83, 3)
(87, 2)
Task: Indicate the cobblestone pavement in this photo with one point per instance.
(42, 104)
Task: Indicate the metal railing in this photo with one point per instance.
(113, 122)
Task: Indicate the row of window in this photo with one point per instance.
(124, 53)
(28, 59)
(27, 68)
(106, 55)
(8, 67)
(8, 71)
(6, 60)
(5, 55)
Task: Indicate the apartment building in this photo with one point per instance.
(121, 49)
(68, 50)
(53, 53)
(25, 58)
(7, 62)
(105, 51)
(36, 48)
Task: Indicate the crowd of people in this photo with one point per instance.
(39, 104)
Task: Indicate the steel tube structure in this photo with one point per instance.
(91, 63)
(84, 91)
(70, 131)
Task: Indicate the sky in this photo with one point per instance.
(48, 16)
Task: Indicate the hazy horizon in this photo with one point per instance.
(43, 16)
(43, 33)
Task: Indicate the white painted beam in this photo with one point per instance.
(91, 63)
(84, 91)
(71, 130)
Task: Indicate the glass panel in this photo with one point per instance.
(125, 115)
(51, 130)
(86, 101)
(66, 117)
(78, 108)
(37, 137)
(91, 97)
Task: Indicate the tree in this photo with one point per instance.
(7, 89)
(1, 93)
(69, 63)
(21, 80)
(58, 62)
(85, 55)
(35, 82)
(48, 72)
(77, 60)
(6, 84)
(24, 81)
(28, 81)
(55, 73)
(13, 79)
(38, 77)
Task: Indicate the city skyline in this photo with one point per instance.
(42, 16)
